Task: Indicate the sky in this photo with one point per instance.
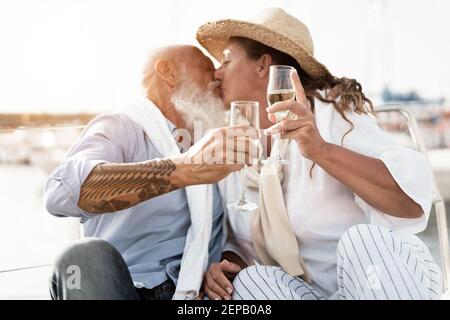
(87, 55)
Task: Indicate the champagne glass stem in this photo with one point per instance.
(243, 196)
(275, 156)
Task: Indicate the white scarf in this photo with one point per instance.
(199, 197)
(274, 239)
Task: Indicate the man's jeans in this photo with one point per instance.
(92, 269)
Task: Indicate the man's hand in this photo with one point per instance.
(216, 155)
(217, 283)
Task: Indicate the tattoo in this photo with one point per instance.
(113, 187)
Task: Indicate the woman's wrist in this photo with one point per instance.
(323, 154)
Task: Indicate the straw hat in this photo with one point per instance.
(272, 27)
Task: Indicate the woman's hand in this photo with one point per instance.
(301, 127)
(217, 283)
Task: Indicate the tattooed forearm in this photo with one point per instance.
(113, 187)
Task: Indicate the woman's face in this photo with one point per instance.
(239, 77)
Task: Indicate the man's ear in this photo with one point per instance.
(167, 71)
(263, 67)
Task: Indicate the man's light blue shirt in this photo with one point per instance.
(151, 235)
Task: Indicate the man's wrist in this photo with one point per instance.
(185, 173)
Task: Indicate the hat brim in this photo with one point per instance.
(214, 36)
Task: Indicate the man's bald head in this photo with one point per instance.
(174, 52)
(179, 80)
(170, 64)
(171, 53)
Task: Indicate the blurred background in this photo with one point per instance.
(64, 61)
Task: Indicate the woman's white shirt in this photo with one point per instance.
(321, 208)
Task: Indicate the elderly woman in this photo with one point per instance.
(348, 202)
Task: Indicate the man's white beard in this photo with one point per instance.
(197, 105)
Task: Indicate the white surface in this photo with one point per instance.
(440, 159)
(106, 57)
(440, 163)
(31, 284)
(29, 235)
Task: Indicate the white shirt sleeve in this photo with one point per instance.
(105, 139)
(409, 168)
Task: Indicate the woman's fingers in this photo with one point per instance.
(221, 278)
(230, 267)
(291, 134)
(211, 294)
(287, 125)
(291, 106)
(299, 91)
(200, 296)
(213, 287)
(272, 117)
(281, 106)
(288, 105)
(217, 283)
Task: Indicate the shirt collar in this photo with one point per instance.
(172, 127)
(173, 130)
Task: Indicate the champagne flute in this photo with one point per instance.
(244, 113)
(280, 88)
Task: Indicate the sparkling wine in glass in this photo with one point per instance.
(244, 113)
(277, 96)
(280, 88)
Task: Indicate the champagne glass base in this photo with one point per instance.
(242, 206)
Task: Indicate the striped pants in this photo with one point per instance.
(372, 264)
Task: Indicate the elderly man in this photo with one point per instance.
(126, 178)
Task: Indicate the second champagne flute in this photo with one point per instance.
(244, 113)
